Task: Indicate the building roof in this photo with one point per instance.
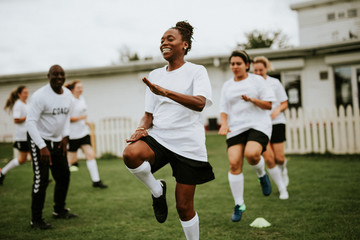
(314, 3)
(350, 46)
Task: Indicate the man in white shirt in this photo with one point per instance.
(48, 124)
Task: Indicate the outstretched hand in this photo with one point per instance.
(156, 89)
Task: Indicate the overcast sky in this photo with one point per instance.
(35, 34)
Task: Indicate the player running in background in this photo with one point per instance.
(79, 134)
(16, 103)
(247, 126)
(275, 151)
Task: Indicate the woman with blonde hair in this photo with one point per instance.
(16, 104)
(275, 154)
(79, 134)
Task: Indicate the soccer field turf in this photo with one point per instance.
(324, 202)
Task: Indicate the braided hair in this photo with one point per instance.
(186, 31)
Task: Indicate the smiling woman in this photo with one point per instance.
(171, 130)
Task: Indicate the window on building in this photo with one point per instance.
(291, 81)
(341, 15)
(352, 13)
(331, 16)
(343, 88)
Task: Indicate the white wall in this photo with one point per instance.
(315, 28)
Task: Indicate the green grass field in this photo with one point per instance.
(324, 202)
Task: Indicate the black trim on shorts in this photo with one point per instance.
(185, 170)
(249, 135)
(75, 144)
(22, 146)
(278, 133)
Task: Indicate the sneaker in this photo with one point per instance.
(2, 177)
(284, 194)
(159, 204)
(65, 214)
(73, 168)
(99, 184)
(285, 176)
(265, 185)
(238, 210)
(40, 224)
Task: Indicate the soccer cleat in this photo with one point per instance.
(285, 176)
(159, 204)
(238, 210)
(64, 214)
(2, 176)
(284, 194)
(99, 184)
(265, 184)
(40, 224)
(73, 168)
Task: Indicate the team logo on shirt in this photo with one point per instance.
(59, 111)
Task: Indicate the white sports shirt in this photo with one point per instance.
(48, 115)
(19, 111)
(280, 95)
(78, 129)
(176, 127)
(243, 115)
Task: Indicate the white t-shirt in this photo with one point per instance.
(243, 115)
(78, 129)
(48, 115)
(280, 95)
(19, 111)
(176, 127)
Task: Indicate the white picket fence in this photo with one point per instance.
(315, 131)
(323, 130)
(111, 135)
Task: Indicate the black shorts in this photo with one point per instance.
(22, 146)
(185, 170)
(278, 133)
(249, 135)
(75, 144)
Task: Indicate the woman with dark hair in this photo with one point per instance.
(172, 131)
(16, 104)
(275, 152)
(80, 135)
(247, 126)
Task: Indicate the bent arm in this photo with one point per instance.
(265, 105)
(19, 120)
(196, 103)
(283, 106)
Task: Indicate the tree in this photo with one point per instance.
(266, 39)
(126, 55)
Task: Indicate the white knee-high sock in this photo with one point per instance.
(143, 173)
(93, 170)
(275, 174)
(237, 187)
(282, 166)
(260, 168)
(12, 164)
(191, 228)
